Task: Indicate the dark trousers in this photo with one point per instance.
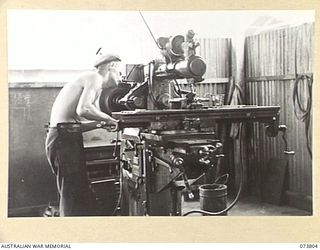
(65, 153)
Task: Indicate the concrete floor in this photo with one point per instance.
(250, 206)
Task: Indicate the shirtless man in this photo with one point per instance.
(64, 143)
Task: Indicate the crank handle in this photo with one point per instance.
(186, 183)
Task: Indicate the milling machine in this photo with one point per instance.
(169, 144)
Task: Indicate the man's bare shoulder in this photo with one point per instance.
(90, 79)
(91, 75)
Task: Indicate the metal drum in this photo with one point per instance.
(213, 197)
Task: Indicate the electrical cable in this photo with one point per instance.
(150, 77)
(175, 91)
(303, 113)
(120, 176)
(131, 70)
(232, 90)
(239, 189)
(178, 86)
(242, 94)
(120, 193)
(115, 146)
(154, 39)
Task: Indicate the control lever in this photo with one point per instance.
(163, 163)
(198, 178)
(223, 179)
(178, 162)
(186, 183)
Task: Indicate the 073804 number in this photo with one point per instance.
(308, 245)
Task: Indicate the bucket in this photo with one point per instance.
(213, 197)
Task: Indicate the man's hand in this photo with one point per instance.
(111, 125)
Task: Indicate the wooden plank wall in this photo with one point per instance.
(273, 58)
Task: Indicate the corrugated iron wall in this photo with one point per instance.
(273, 59)
(216, 52)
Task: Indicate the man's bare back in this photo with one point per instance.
(64, 107)
(77, 100)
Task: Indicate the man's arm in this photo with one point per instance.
(86, 107)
